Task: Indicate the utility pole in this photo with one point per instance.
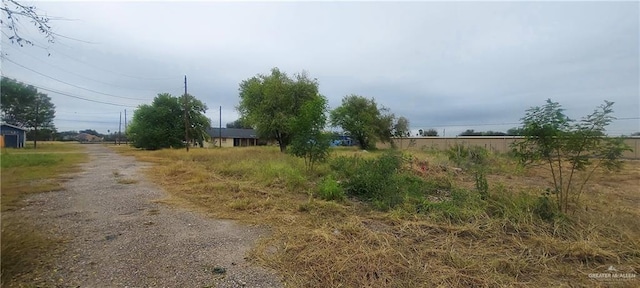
(220, 130)
(35, 130)
(125, 125)
(186, 114)
(119, 128)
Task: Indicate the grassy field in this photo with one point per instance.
(27, 171)
(439, 233)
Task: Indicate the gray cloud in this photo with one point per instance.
(439, 64)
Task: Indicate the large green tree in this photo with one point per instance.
(363, 120)
(270, 103)
(161, 124)
(24, 106)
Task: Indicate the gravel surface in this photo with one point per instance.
(118, 237)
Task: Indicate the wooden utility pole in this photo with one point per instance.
(220, 129)
(125, 125)
(186, 114)
(119, 128)
(35, 128)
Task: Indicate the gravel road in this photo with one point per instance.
(118, 237)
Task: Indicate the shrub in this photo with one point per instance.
(373, 180)
(544, 207)
(481, 184)
(467, 157)
(329, 189)
(569, 148)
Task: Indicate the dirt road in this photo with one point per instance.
(118, 237)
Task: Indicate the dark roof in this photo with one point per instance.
(232, 133)
(14, 126)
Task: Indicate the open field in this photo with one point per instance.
(440, 234)
(27, 171)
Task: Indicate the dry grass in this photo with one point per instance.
(318, 243)
(23, 172)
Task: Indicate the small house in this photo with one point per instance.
(233, 137)
(12, 136)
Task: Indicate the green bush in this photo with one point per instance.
(481, 184)
(329, 189)
(467, 157)
(375, 180)
(544, 207)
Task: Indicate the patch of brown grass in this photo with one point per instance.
(317, 243)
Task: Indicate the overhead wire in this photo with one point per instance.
(73, 85)
(76, 97)
(76, 74)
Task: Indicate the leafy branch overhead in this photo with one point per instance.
(15, 12)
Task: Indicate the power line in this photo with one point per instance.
(107, 70)
(90, 90)
(76, 74)
(74, 39)
(77, 97)
(86, 121)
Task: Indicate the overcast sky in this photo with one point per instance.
(445, 65)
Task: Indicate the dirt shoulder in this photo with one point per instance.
(118, 236)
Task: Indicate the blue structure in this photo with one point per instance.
(343, 140)
(13, 136)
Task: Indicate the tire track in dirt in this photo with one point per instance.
(118, 237)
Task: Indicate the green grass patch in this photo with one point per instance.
(25, 171)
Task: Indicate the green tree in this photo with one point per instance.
(198, 121)
(23, 105)
(270, 102)
(239, 124)
(570, 149)
(401, 129)
(309, 141)
(363, 120)
(161, 124)
(516, 131)
(430, 132)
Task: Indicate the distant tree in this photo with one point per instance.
(493, 133)
(428, 132)
(308, 140)
(160, 125)
(240, 124)
(91, 132)
(470, 132)
(24, 106)
(363, 120)
(516, 131)
(568, 148)
(635, 134)
(44, 134)
(269, 103)
(13, 13)
(401, 129)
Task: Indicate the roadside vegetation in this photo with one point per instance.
(415, 218)
(464, 217)
(24, 172)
